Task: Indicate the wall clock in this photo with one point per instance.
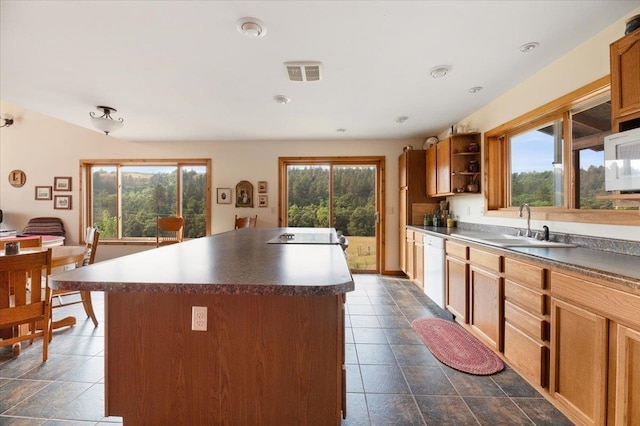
(17, 178)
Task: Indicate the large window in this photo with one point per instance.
(537, 166)
(552, 158)
(124, 198)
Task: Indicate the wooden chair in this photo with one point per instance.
(25, 309)
(169, 230)
(70, 297)
(25, 242)
(246, 222)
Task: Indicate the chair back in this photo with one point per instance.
(23, 301)
(169, 230)
(91, 243)
(246, 222)
(34, 241)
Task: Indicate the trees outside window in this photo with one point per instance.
(126, 197)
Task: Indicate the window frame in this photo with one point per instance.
(497, 167)
(86, 218)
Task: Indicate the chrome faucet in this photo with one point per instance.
(525, 205)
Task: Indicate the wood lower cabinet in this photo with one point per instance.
(595, 350)
(579, 362)
(457, 281)
(486, 293)
(627, 376)
(410, 255)
(526, 316)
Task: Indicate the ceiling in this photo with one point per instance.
(181, 70)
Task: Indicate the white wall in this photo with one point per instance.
(583, 65)
(44, 147)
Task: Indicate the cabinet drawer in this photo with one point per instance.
(523, 320)
(411, 235)
(530, 358)
(490, 261)
(525, 274)
(530, 300)
(457, 250)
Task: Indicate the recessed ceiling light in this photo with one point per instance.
(475, 89)
(440, 71)
(281, 99)
(529, 47)
(402, 119)
(251, 27)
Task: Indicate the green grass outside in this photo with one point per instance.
(361, 253)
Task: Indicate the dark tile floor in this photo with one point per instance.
(392, 377)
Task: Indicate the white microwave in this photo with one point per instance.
(622, 161)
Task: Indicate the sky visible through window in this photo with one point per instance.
(534, 150)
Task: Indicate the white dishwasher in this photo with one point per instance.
(434, 268)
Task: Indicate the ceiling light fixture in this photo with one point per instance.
(401, 119)
(251, 27)
(475, 89)
(341, 130)
(440, 71)
(529, 47)
(105, 123)
(6, 120)
(281, 99)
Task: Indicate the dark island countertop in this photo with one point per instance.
(235, 262)
(621, 269)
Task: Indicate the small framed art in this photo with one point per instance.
(263, 200)
(262, 187)
(62, 202)
(43, 192)
(244, 194)
(224, 195)
(62, 183)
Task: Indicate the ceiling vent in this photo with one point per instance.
(304, 71)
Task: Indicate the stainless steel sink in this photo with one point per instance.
(506, 240)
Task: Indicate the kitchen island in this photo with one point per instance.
(273, 349)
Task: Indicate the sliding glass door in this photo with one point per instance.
(340, 193)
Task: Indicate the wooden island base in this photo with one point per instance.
(264, 359)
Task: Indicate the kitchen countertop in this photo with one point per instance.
(234, 262)
(613, 267)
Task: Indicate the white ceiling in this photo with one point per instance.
(180, 70)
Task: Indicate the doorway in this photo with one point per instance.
(344, 193)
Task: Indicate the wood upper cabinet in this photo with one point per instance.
(452, 164)
(414, 202)
(625, 82)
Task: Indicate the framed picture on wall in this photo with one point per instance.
(263, 200)
(262, 187)
(62, 202)
(244, 194)
(62, 183)
(224, 195)
(43, 192)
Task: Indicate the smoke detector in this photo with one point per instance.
(251, 27)
(304, 71)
